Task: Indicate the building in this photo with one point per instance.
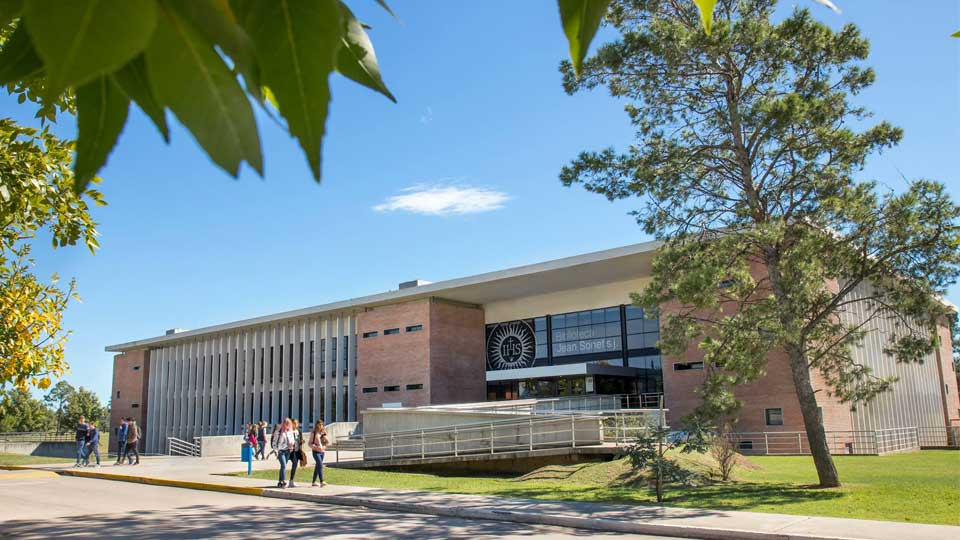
(557, 328)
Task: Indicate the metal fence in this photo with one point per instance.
(588, 404)
(36, 436)
(875, 442)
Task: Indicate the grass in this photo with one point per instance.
(20, 459)
(921, 487)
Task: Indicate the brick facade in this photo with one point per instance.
(444, 356)
(128, 395)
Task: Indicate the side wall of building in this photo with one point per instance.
(457, 353)
(128, 393)
(394, 360)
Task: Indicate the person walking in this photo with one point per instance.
(261, 440)
(133, 441)
(92, 444)
(285, 444)
(274, 439)
(318, 446)
(81, 438)
(121, 440)
(297, 456)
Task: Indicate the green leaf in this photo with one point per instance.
(581, 19)
(18, 59)
(706, 13)
(215, 21)
(9, 10)
(134, 81)
(190, 78)
(357, 59)
(297, 44)
(384, 5)
(101, 113)
(80, 40)
(955, 34)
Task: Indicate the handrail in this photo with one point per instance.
(510, 435)
(181, 447)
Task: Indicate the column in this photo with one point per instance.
(275, 374)
(328, 329)
(352, 372)
(317, 373)
(341, 359)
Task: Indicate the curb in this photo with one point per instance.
(587, 523)
(204, 486)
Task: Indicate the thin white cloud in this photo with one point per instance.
(440, 200)
(427, 117)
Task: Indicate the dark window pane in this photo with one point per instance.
(584, 318)
(651, 325)
(558, 321)
(612, 315)
(540, 323)
(634, 312)
(541, 351)
(634, 326)
(612, 329)
(596, 316)
(635, 341)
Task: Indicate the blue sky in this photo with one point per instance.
(480, 107)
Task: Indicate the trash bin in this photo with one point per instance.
(246, 454)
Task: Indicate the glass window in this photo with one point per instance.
(774, 417)
(597, 316)
(414, 387)
(370, 334)
(558, 321)
(684, 366)
(391, 388)
(391, 331)
(746, 445)
(370, 390)
(584, 318)
(540, 324)
(634, 312)
(415, 328)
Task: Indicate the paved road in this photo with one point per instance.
(40, 504)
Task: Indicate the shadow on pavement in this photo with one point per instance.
(252, 521)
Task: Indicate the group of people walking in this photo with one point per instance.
(289, 444)
(88, 442)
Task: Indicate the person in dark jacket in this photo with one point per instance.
(81, 438)
(133, 441)
(261, 440)
(92, 444)
(121, 441)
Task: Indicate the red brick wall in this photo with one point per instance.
(395, 360)
(457, 356)
(131, 383)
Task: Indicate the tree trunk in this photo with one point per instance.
(812, 421)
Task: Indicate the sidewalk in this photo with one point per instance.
(207, 473)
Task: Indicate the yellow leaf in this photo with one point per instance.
(706, 13)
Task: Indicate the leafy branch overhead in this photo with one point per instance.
(200, 59)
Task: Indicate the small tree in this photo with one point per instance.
(59, 395)
(651, 451)
(724, 452)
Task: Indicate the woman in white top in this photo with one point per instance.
(318, 445)
(285, 444)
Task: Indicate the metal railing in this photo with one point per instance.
(36, 436)
(588, 404)
(497, 437)
(865, 442)
(180, 447)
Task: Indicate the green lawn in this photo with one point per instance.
(20, 459)
(920, 487)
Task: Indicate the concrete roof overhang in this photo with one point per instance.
(607, 266)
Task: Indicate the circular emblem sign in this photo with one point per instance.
(510, 346)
